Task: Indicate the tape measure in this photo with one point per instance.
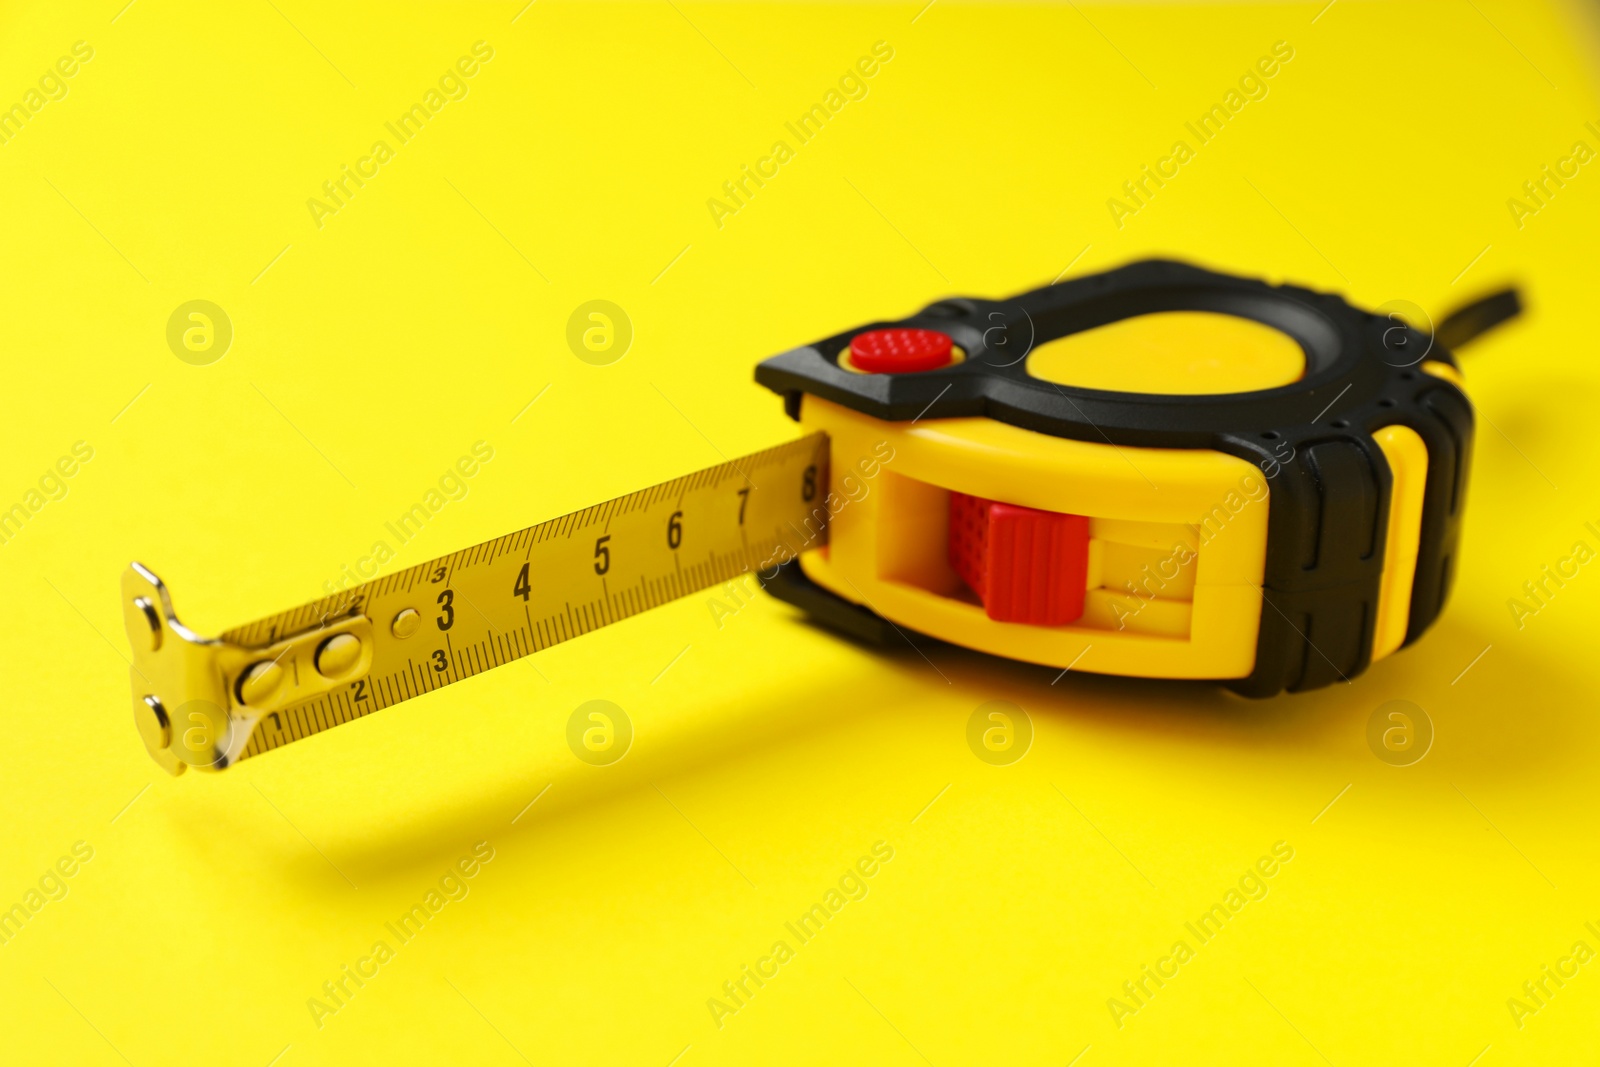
(1158, 471)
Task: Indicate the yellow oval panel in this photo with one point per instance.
(1174, 353)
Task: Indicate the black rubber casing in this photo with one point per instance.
(1312, 439)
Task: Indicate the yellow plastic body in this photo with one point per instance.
(1408, 467)
(1445, 371)
(1177, 541)
(1177, 547)
(1174, 353)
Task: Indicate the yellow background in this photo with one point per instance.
(432, 308)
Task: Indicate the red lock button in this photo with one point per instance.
(900, 350)
(1026, 565)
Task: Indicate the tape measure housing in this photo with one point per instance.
(1281, 538)
(1328, 446)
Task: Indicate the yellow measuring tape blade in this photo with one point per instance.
(470, 611)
